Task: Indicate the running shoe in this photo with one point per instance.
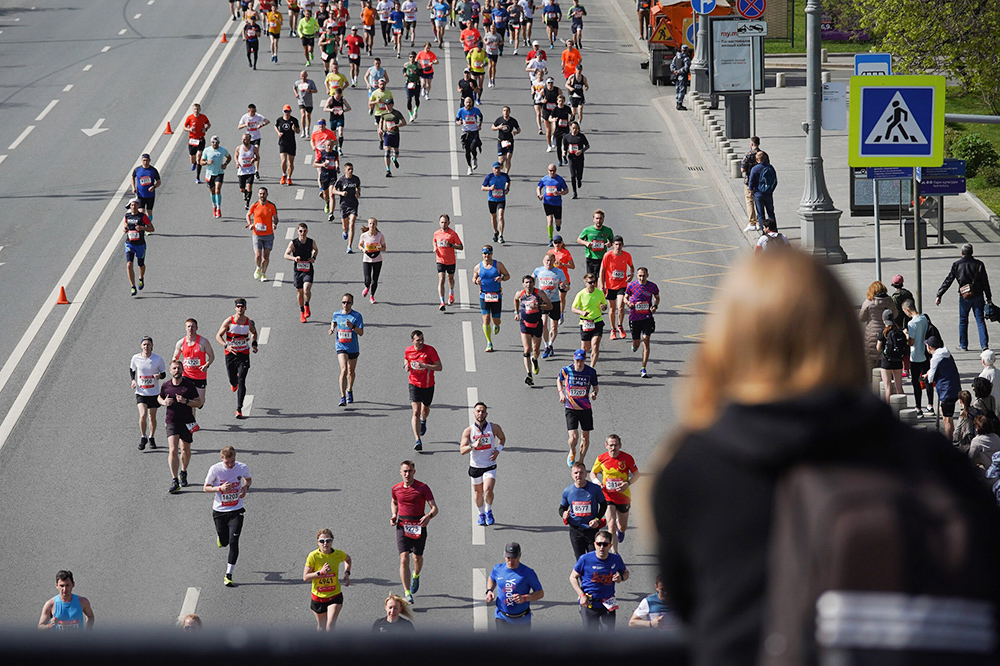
(395, 161)
(502, 241)
(302, 317)
(365, 292)
(558, 227)
(388, 174)
(193, 166)
(489, 518)
(142, 443)
(350, 397)
(481, 520)
(496, 328)
(489, 347)
(570, 459)
(350, 250)
(643, 373)
(134, 292)
(344, 235)
(469, 172)
(233, 388)
(409, 598)
(442, 306)
(342, 403)
(545, 352)
(218, 542)
(289, 182)
(239, 414)
(550, 148)
(197, 181)
(228, 581)
(475, 163)
(372, 299)
(141, 284)
(529, 381)
(175, 487)
(418, 446)
(496, 236)
(263, 278)
(534, 365)
(152, 443)
(451, 298)
(414, 584)
(423, 428)
(184, 478)
(621, 536)
(308, 312)
(614, 334)
(329, 217)
(750, 227)
(282, 180)
(256, 273)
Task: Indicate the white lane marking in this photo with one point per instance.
(86, 68)
(190, 604)
(22, 137)
(96, 129)
(150, 2)
(17, 19)
(114, 206)
(121, 32)
(463, 289)
(479, 608)
(278, 277)
(289, 233)
(68, 88)
(456, 201)
(265, 333)
(478, 531)
(467, 342)
(452, 138)
(460, 230)
(299, 193)
(105, 49)
(45, 111)
(247, 404)
(136, 17)
(2, 158)
(308, 158)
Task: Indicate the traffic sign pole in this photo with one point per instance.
(753, 91)
(878, 234)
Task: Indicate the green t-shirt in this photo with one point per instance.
(308, 27)
(381, 98)
(411, 71)
(391, 120)
(592, 233)
(590, 303)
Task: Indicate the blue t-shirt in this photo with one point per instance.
(521, 580)
(500, 17)
(595, 574)
(577, 386)
(498, 184)
(471, 119)
(441, 11)
(550, 185)
(551, 12)
(214, 157)
(396, 17)
(584, 504)
(143, 179)
(347, 337)
(489, 278)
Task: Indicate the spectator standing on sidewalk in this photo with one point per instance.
(943, 373)
(990, 372)
(900, 296)
(973, 293)
(749, 162)
(876, 302)
(920, 362)
(680, 67)
(762, 183)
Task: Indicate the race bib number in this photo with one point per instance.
(146, 381)
(272, 25)
(586, 325)
(577, 392)
(614, 484)
(618, 275)
(496, 193)
(133, 235)
(390, 125)
(641, 306)
(413, 530)
(193, 141)
(371, 247)
(505, 144)
(491, 296)
(550, 190)
(230, 499)
(382, 106)
(338, 110)
(145, 181)
(260, 226)
(546, 283)
(597, 244)
(251, 33)
(611, 604)
(239, 344)
(581, 509)
(253, 125)
(303, 266)
(303, 87)
(531, 307)
(193, 427)
(413, 366)
(326, 585)
(397, 31)
(411, 85)
(574, 149)
(443, 243)
(469, 123)
(191, 362)
(550, 105)
(562, 122)
(345, 335)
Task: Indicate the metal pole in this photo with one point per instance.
(918, 282)
(753, 90)
(940, 220)
(699, 65)
(878, 235)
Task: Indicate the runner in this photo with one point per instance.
(215, 159)
(498, 186)
(252, 122)
(439, 17)
(529, 305)
(484, 441)
(274, 24)
(426, 60)
(552, 283)
(470, 119)
(348, 188)
(537, 93)
(512, 587)
(515, 19)
(575, 14)
(463, 14)
(145, 180)
(396, 19)
(409, 500)
(572, 148)
(577, 386)
(550, 190)
(135, 227)
(466, 87)
(251, 37)
(263, 217)
(571, 58)
(230, 481)
(327, 163)
(581, 508)
(589, 303)
(196, 125)
(489, 275)
(563, 262)
(475, 8)
(388, 129)
(293, 17)
(421, 362)
(616, 273)
(323, 571)
(642, 9)
(493, 46)
(247, 158)
(354, 44)
(596, 239)
(66, 611)
(286, 127)
(368, 15)
(343, 15)
(577, 86)
(411, 74)
(551, 13)
(304, 87)
(384, 7)
(317, 140)
(550, 96)
(617, 470)
(349, 326)
(559, 121)
(232, 8)
(308, 26)
(643, 299)
(378, 104)
(146, 370)
(337, 106)
(302, 252)
(238, 336)
(470, 36)
(372, 244)
(594, 578)
(477, 60)
(197, 354)
(499, 18)
(528, 6)
(506, 127)
(395, 606)
(446, 241)
(180, 396)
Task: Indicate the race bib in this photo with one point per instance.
(146, 381)
(550, 190)
(193, 141)
(597, 244)
(550, 105)
(253, 125)
(546, 283)
(145, 181)
(397, 31)
(573, 149)
(577, 392)
(390, 125)
(413, 530)
(193, 427)
(614, 484)
(337, 111)
(260, 226)
(413, 366)
(505, 144)
(581, 509)
(191, 362)
(326, 585)
(496, 193)
(641, 306)
(303, 266)
(443, 243)
(303, 87)
(618, 275)
(272, 24)
(411, 84)
(382, 106)
(470, 123)
(562, 122)
(491, 296)
(531, 307)
(611, 604)
(345, 335)
(239, 344)
(251, 33)
(134, 235)
(230, 499)
(586, 325)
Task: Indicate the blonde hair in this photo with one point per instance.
(784, 327)
(325, 530)
(404, 607)
(875, 288)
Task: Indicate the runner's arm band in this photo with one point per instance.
(131, 372)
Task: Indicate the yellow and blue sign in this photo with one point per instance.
(896, 121)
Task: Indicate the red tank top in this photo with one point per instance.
(194, 358)
(238, 336)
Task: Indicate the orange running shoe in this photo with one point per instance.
(282, 180)
(302, 317)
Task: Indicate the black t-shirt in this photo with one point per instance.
(349, 185)
(330, 156)
(401, 625)
(562, 118)
(575, 144)
(288, 128)
(467, 88)
(251, 31)
(178, 413)
(508, 134)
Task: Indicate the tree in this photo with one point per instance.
(958, 38)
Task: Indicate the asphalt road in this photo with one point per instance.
(75, 491)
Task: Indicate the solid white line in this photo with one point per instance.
(190, 604)
(265, 333)
(460, 230)
(456, 202)
(114, 206)
(452, 138)
(86, 68)
(2, 158)
(68, 88)
(105, 49)
(478, 531)
(300, 193)
(150, 2)
(479, 609)
(18, 140)
(289, 233)
(46, 110)
(467, 342)
(472, 397)
(278, 277)
(247, 404)
(121, 32)
(136, 16)
(463, 289)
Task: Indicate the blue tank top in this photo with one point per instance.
(657, 607)
(68, 615)
(489, 278)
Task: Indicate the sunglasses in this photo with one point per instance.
(591, 282)
(487, 252)
(325, 540)
(602, 543)
(346, 302)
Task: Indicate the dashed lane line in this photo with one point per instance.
(45, 111)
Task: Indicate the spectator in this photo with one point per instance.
(985, 443)
(763, 181)
(654, 611)
(973, 293)
(748, 163)
(680, 68)
(900, 296)
(397, 617)
(770, 239)
(990, 372)
(943, 373)
(875, 304)
(892, 344)
(920, 363)
(983, 400)
(965, 428)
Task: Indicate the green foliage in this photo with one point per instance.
(951, 135)
(991, 175)
(976, 151)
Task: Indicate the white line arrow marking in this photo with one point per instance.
(96, 129)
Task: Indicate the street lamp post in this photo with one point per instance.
(820, 219)
(699, 64)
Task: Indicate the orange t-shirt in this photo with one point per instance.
(443, 250)
(615, 269)
(263, 216)
(197, 125)
(368, 16)
(570, 59)
(563, 260)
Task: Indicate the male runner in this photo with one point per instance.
(302, 252)
(497, 184)
(466, 87)
(252, 122)
(643, 299)
(354, 44)
(570, 58)
(559, 122)
(335, 80)
(551, 13)
(304, 87)
(617, 470)
(596, 239)
(577, 85)
(411, 75)
(348, 325)
(373, 74)
(550, 190)
(146, 370)
(274, 24)
(551, 282)
(378, 105)
(145, 180)
(589, 303)
(593, 579)
(577, 386)
(287, 128)
(327, 163)
(489, 275)
(136, 225)
(616, 273)
(582, 507)
(515, 19)
(251, 37)
(446, 241)
(550, 98)
(247, 159)
(426, 59)
(66, 611)
(384, 8)
(388, 129)
(180, 396)
(397, 18)
(197, 355)
(337, 106)
(229, 480)
(484, 441)
(470, 119)
(409, 8)
(421, 362)
(529, 305)
(441, 10)
(293, 17)
(469, 37)
(215, 159)
(512, 586)
(307, 28)
(506, 127)
(477, 60)
(409, 501)
(238, 336)
(368, 15)
(572, 148)
(563, 262)
(348, 188)
(323, 570)
(196, 125)
(263, 218)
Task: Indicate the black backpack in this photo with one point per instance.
(932, 330)
(896, 347)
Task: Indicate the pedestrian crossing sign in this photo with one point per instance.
(896, 121)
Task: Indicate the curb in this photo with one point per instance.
(991, 218)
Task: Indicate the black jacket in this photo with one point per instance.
(968, 270)
(713, 503)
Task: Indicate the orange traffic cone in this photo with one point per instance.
(224, 39)
(169, 130)
(62, 297)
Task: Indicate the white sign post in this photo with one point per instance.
(754, 29)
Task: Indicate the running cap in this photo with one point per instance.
(513, 549)
(145, 156)
(557, 239)
(887, 316)
(144, 338)
(534, 43)
(550, 80)
(241, 301)
(579, 355)
(321, 121)
(897, 281)
(354, 28)
(467, 70)
(133, 200)
(215, 138)
(988, 357)
(496, 164)
(287, 107)
(933, 342)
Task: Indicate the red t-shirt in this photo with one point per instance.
(354, 44)
(410, 501)
(615, 269)
(428, 355)
(443, 241)
(196, 125)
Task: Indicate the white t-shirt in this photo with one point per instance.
(483, 444)
(253, 124)
(383, 8)
(147, 373)
(773, 239)
(409, 9)
(526, 6)
(370, 239)
(219, 474)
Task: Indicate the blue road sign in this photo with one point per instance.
(751, 9)
(703, 6)
(873, 63)
(941, 186)
(952, 168)
(692, 33)
(889, 173)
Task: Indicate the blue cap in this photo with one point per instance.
(579, 355)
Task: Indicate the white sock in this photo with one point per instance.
(482, 510)
(488, 507)
(229, 568)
